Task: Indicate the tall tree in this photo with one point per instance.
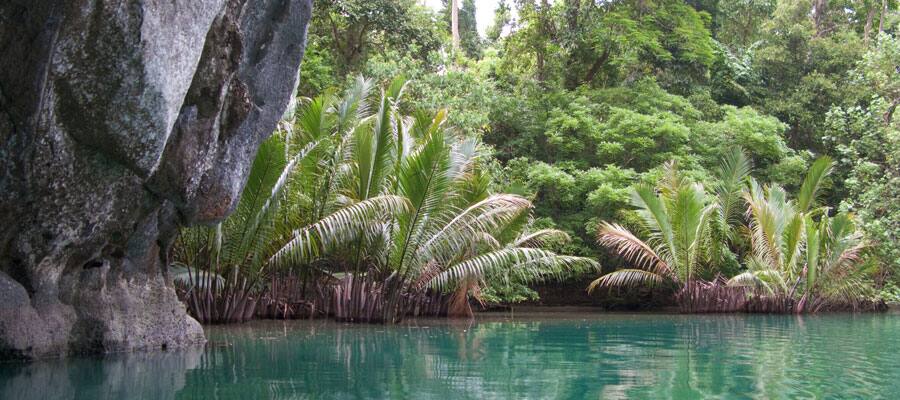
(819, 13)
(454, 23)
(871, 9)
(464, 28)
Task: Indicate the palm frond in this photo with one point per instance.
(688, 217)
(242, 227)
(655, 217)
(354, 105)
(539, 238)
(470, 224)
(813, 183)
(342, 226)
(792, 244)
(768, 217)
(313, 119)
(813, 251)
(628, 278)
(748, 279)
(527, 263)
(632, 249)
(395, 90)
(423, 179)
(732, 176)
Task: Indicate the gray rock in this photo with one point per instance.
(121, 121)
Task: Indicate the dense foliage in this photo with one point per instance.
(799, 258)
(353, 190)
(586, 108)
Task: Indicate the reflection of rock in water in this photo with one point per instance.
(158, 375)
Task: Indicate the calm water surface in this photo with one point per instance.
(540, 356)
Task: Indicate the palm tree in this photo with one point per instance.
(517, 234)
(395, 203)
(798, 251)
(675, 220)
(221, 270)
(834, 264)
(408, 208)
(777, 229)
(731, 177)
(454, 24)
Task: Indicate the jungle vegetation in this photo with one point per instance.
(687, 147)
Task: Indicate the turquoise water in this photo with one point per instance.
(542, 356)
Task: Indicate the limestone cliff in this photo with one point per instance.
(121, 120)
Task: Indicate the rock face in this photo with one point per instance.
(120, 121)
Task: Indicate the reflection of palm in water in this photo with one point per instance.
(583, 356)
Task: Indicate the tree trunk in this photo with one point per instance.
(889, 114)
(544, 31)
(867, 31)
(599, 63)
(884, 7)
(819, 10)
(454, 23)
(459, 303)
(573, 10)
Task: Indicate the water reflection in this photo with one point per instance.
(158, 375)
(579, 356)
